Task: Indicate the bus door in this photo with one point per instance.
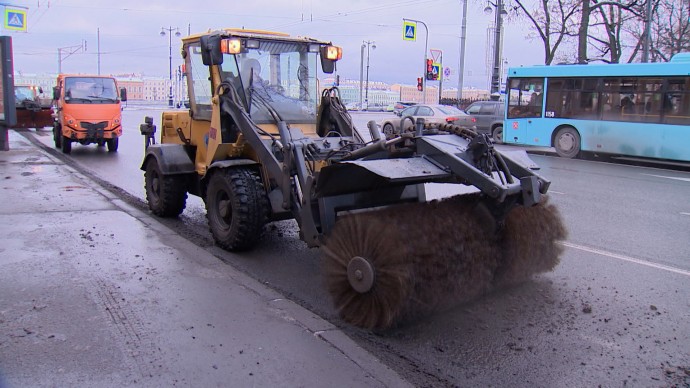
(525, 108)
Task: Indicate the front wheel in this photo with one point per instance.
(66, 145)
(389, 131)
(567, 142)
(236, 208)
(497, 134)
(112, 144)
(165, 194)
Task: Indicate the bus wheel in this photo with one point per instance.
(497, 134)
(567, 142)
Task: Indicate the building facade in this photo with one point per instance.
(376, 93)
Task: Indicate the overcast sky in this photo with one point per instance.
(130, 40)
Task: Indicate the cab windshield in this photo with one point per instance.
(90, 90)
(278, 77)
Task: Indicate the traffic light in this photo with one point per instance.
(420, 85)
(429, 70)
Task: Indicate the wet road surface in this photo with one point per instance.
(615, 312)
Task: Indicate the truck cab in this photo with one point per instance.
(88, 110)
(32, 111)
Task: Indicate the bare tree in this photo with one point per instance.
(609, 18)
(671, 29)
(607, 33)
(552, 21)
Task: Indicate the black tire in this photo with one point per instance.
(388, 130)
(66, 145)
(236, 208)
(497, 134)
(100, 143)
(567, 142)
(165, 194)
(57, 136)
(112, 144)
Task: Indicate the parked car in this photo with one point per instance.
(400, 105)
(430, 113)
(374, 107)
(353, 106)
(487, 116)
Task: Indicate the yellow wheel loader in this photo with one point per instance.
(260, 143)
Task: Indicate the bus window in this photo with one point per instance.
(525, 98)
(677, 108)
(575, 98)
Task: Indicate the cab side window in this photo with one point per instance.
(198, 84)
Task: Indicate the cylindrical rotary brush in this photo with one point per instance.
(390, 265)
(529, 242)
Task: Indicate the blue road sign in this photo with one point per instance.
(409, 30)
(15, 19)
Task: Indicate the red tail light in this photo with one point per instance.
(451, 119)
(474, 119)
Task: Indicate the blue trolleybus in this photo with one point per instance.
(635, 109)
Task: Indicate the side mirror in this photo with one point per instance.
(56, 93)
(398, 113)
(123, 94)
(210, 50)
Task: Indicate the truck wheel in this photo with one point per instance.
(165, 194)
(236, 208)
(567, 142)
(497, 134)
(112, 144)
(66, 145)
(57, 137)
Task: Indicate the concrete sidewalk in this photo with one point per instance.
(94, 292)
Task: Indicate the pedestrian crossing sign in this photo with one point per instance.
(15, 19)
(409, 31)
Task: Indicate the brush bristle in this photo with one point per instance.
(432, 256)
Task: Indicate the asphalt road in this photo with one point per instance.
(615, 312)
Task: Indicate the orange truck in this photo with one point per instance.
(87, 111)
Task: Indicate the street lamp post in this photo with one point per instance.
(368, 44)
(496, 69)
(177, 33)
(461, 62)
(365, 44)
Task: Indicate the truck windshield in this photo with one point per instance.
(90, 90)
(22, 93)
(279, 75)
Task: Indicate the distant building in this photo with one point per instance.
(157, 89)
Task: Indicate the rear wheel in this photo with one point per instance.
(66, 145)
(112, 144)
(236, 208)
(57, 136)
(165, 194)
(497, 134)
(567, 142)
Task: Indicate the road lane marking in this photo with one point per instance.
(669, 177)
(556, 192)
(626, 258)
(685, 214)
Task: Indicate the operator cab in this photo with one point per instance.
(272, 75)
